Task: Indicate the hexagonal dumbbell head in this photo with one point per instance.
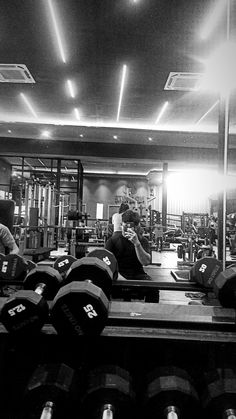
(93, 269)
(27, 310)
(63, 264)
(79, 308)
(107, 257)
(225, 287)
(50, 389)
(205, 271)
(108, 388)
(170, 392)
(219, 394)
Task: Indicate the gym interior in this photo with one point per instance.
(104, 103)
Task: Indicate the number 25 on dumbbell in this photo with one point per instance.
(90, 311)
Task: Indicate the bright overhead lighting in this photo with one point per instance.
(204, 183)
(163, 109)
(221, 69)
(124, 70)
(57, 32)
(46, 134)
(70, 88)
(81, 135)
(115, 137)
(207, 112)
(150, 138)
(27, 102)
(9, 131)
(77, 115)
(213, 19)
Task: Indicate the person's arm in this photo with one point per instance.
(143, 256)
(9, 241)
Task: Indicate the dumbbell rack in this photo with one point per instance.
(138, 336)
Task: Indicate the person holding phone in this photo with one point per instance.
(130, 248)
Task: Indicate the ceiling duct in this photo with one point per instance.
(15, 73)
(183, 81)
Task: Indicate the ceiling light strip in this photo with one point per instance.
(30, 107)
(207, 112)
(70, 88)
(77, 115)
(124, 70)
(55, 25)
(163, 109)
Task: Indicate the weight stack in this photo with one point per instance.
(7, 207)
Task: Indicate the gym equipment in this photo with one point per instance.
(109, 393)
(91, 268)
(27, 310)
(50, 390)
(13, 267)
(205, 271)
(31, 265)
(63, 263)
(224, 287)
(81, 306)
(170, 393)
(107, 257)
(219, 397)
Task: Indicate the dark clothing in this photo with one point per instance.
(125, 253)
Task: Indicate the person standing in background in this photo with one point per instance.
(117, 217)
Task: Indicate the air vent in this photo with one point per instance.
(15, 73)
(183, 81)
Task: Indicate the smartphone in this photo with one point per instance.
(128, 225)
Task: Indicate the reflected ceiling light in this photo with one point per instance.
(9, 131)
(77, 115)
(213, 19)
(207, 112)
(124, 70)
(27, 102)
(57, 32)
(163, 109)
(45, 134)
(115, 137)
(70, 88)
(42, 163)
(150, 138)
(198, 183)
(220, 69)
(81, 135)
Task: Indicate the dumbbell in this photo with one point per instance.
(205, 271)
(109, 393)
(170, 393)
(63, 263)
(50, 392)
(225, 287)
(27, 310)
(107, 257)
(219, 395)
(13, 267)
(81, 305)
